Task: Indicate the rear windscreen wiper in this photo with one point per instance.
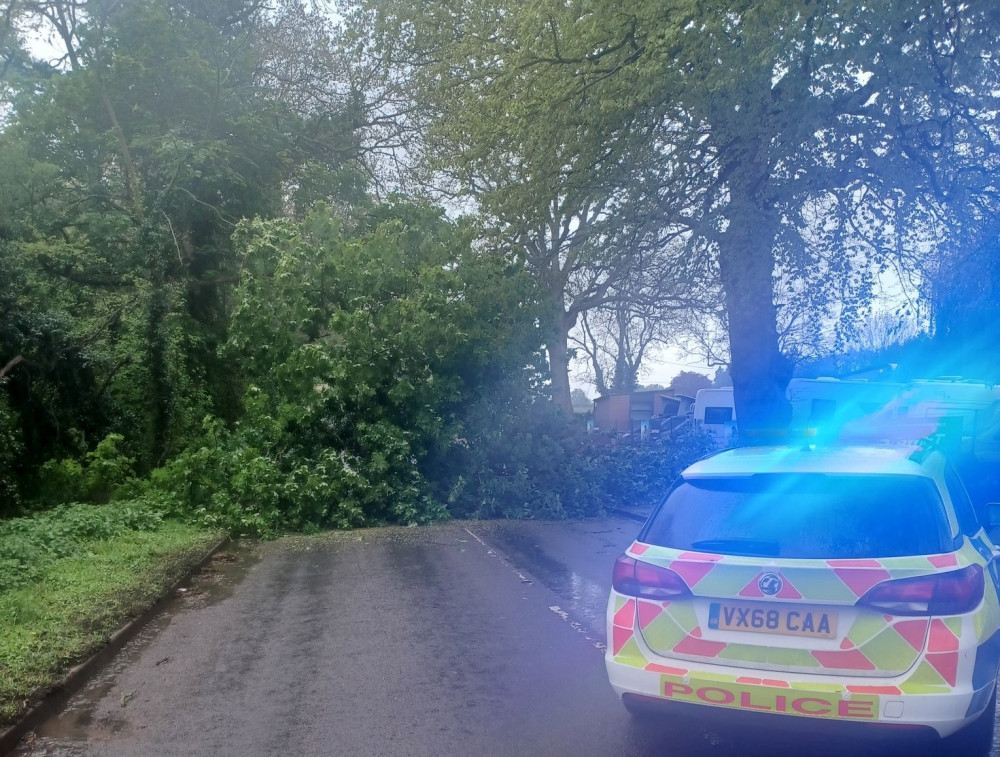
(747, 547)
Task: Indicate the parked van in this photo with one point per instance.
(715, 412)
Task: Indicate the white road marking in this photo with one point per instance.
(580, 628)
(492, 553)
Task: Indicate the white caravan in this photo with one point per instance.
(715, 412)
(967, 413)
(834, 402)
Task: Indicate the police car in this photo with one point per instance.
(852, 584)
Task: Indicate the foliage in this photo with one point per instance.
(224, 482)
(96, 478)
(366, 359)
(29, 545)
(392, 388)
(523, 460)
(689, 382)
(640, 474)
(537, 466)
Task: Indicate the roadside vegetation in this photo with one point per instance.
(72, 576)
(270, 268)
(228, 320)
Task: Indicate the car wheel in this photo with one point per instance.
(975, 740)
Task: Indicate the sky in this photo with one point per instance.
(658, 369)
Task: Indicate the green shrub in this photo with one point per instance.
(220, 483)
(10, 450)
(97, 478)
(29, 544)
(236, 480)
(637, 474)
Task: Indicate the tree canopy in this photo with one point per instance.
(269, 254)
(797, 149)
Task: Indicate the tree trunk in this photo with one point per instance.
(557, 347)
(759, 371)
(159, 389)
(626, 377)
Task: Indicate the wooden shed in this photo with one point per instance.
(625, 413)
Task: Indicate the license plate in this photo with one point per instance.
(790, 621)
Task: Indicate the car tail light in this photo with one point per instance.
(635, 578)
(952, 593)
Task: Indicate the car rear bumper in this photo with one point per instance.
(720, 688)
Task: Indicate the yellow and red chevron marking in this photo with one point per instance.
(623, 645)
(623, 625)
(874, 642)
(859, 575)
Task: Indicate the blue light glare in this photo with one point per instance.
(964, 416)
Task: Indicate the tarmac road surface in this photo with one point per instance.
(455, 639)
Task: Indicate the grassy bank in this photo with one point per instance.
(71, 577)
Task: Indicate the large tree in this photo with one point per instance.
(591, 231)
(752, 123)
(160, 144)
(134, 146)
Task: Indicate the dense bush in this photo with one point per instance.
(96, 478)
(640, 474)
(390, 373)
(30, 544)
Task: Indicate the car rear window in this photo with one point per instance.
(803, 516)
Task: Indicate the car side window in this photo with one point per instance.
(968, 523)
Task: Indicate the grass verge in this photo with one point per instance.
(73, 603)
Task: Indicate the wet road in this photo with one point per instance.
(461, 638)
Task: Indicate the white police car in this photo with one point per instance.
(850, 584)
